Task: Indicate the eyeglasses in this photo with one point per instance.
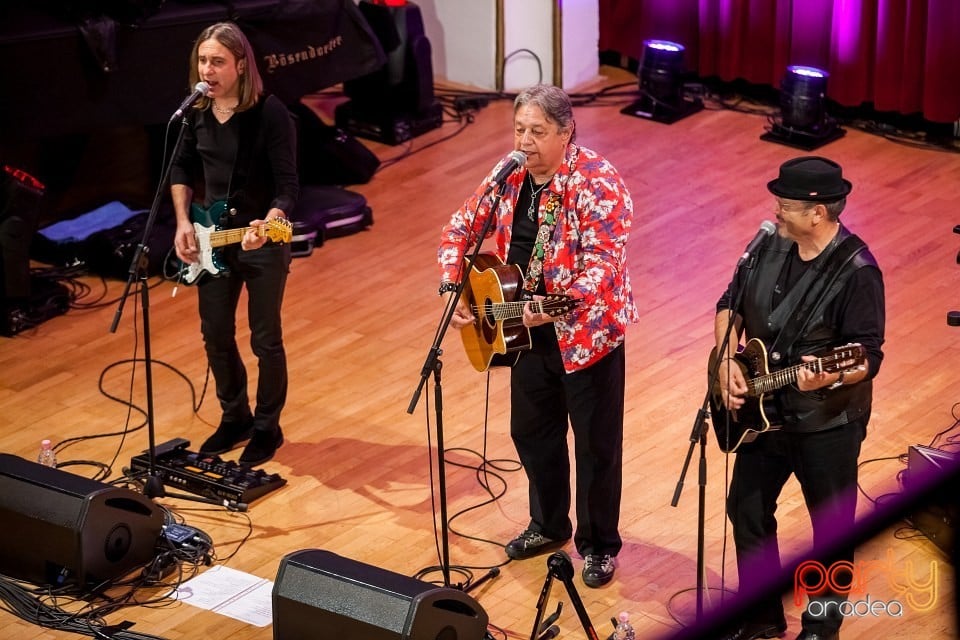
(792, 206)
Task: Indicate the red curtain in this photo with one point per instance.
(900, 55)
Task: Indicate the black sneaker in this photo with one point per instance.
(598, 569)
(261, 447)
(529, 544)
(228, 436)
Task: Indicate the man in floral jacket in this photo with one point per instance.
(564, 220)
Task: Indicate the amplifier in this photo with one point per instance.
(937, 517)
(208, 476)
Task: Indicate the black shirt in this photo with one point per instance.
(857, 312)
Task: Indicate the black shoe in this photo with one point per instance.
(531, 543)
(598, 569)
(752, 630)
(228, 436)
(261, 447)
(810, 635)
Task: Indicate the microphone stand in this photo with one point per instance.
(435, 365)
(698, 434)
(153, 486)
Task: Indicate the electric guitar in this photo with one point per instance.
(498, 336)
(758, 413)
(206, 225)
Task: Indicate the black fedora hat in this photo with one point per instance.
(810, 178)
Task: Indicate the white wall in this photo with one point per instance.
(528, 25)
(581, 42)
(462, 34)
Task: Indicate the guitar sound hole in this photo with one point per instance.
(489, 322)
(488, 316)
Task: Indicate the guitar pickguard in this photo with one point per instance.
(205, 221)
(210, 260)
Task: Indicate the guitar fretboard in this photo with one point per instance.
(781, 378)
(227, 236)
(506, 310)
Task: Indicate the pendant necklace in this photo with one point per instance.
(534, 195)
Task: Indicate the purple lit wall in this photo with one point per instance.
(900, 55)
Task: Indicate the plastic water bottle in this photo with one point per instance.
(47, 457)
(624, 630)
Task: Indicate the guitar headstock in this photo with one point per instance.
(277, 229)
(846, 358)
(556, 304)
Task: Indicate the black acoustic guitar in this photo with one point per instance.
(758, 413)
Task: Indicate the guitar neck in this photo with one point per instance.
(783, 377)
(230, 236)
(508, 310)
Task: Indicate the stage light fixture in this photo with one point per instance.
(661, 84)
(396, 102)
(803, 121)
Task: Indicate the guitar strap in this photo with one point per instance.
(534, 270)
(819, 285)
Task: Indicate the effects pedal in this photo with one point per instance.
(208, 476)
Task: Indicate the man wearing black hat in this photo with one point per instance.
(810, 289)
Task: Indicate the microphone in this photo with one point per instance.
(515, 160)
(766, 230)
(199, 90)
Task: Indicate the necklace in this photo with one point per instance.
(222, 111)
(534, 196)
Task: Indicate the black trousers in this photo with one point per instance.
(543, 399)
(825, 464)
(264, 274)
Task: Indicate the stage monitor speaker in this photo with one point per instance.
(60, 529)
(320, 595)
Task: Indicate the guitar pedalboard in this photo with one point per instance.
(206, 475)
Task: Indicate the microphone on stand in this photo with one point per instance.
(199, 90)
(766, 230)
(515, 160)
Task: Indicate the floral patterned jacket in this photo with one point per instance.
(585, 257)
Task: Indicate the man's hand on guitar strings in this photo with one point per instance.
(462, 315)
(254, 238)
(809, 380)
(733, 383)
(532, 319)
(185, 242)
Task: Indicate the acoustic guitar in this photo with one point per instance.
(493, 291)
(759, 413)
(211, 238)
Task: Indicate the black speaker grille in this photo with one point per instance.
(319, 595)
(344, 597)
